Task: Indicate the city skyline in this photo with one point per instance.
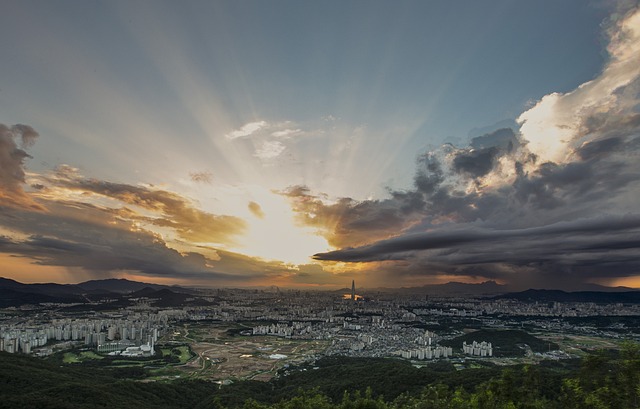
(307, 145)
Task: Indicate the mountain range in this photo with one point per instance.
(122, 292)
(14, 293)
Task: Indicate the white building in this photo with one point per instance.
(481, 349)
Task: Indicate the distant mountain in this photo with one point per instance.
(14, 293)
(51, 289)
(118, 285)
(145, 292)
(596, 287)
(456, 288)
(487, 288)
(631, 297)
(14, 298)
(167, 298)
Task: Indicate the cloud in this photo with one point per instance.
(269, 150)
(103, 242)
(585, 232)
(315, 274)
(201, 177)
(476, 162)
(554, 126)
(248, 267)
(555, 202)
(171, 210)
(286, 133)
(246, 130)
(98, 227)
(12, 172)
(256, 210)
(563, 255)
(349, 222)
(98, 241)
(267, 140)
(503, 138)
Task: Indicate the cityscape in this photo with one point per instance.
(377, 324)
(338, 204)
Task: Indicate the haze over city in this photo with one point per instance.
(309, 144)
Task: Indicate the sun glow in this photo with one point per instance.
(273, 233)
(632, 282)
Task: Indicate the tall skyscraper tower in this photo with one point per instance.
(353, 290)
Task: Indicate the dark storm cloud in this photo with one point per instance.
(429, 174)
(595, 149)
(581, 229)
(480, 158)
(504, 139)
(351, 222)
(517, 232)
(495, 209)
(27, 134)
(476, 162)
(14, 141)
(547, 225)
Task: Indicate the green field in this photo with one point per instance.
(70, 358)
(81, 356)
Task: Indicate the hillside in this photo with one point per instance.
(119, 291)
(602, 380)
(119, 285)
(505, 342)
(627, 297)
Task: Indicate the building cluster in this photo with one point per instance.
(386, 324)
(128, 348)
(428, 353)
(106, 334)
(428, 338)
(13, 340)
(458, 307)
(481, 349)
(283, 329)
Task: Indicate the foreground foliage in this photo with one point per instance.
(602, 380)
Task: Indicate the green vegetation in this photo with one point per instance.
(90, 355)
(174, 355)
(183, 353)
(606, 379)
(505, 342)
(76, 356)
(70, 358)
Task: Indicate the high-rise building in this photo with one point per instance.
(353, 290)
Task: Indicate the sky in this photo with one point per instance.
(305, 144)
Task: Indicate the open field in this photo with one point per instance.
(73, 357)
(181, 352)
(221, 356)
(578, 344)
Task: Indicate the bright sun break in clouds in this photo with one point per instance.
(276, 236)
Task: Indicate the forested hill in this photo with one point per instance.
(602, 380)
(628, 297)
